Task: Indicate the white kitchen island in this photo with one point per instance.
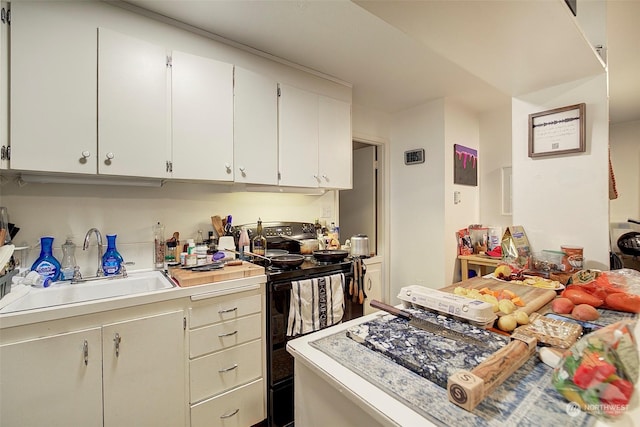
(329, 393)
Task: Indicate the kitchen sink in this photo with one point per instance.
(61, 293)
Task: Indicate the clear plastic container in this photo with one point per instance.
(68, 259)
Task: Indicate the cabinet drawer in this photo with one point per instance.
(241, 407)
(220, 309)
(218, 372)
(224, 335)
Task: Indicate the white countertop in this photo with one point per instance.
(381, 406)
(20, 318)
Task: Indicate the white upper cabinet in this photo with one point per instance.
(133, 107)
(202, 118)
(298, 137)
(255, 126)
(53, 89)
(315, 140)
(335, 147)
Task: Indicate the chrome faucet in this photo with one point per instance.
(85, 246)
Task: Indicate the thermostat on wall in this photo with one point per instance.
(413, 157)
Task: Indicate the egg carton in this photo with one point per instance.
(476, 312)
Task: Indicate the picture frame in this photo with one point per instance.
(558, 131)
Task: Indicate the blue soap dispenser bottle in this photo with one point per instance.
(111, 260)
(47, 265)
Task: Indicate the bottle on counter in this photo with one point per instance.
(112, 260)
(158, 249)
(68, 259)
(244, 244)
(259, 242)
(47, 265)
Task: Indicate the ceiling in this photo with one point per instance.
(396, 61)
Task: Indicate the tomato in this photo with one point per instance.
(578, 296)
(590, 374)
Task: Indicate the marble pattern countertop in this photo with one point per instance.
(428, 354)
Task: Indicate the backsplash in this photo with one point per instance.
(62, 210)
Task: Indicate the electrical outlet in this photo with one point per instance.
(327, 211)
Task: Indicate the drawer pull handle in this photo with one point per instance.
(228, 310)
(85, 351)
(227, 334)
(231, 368)
(230, 414)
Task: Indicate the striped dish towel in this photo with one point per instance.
(315, 304)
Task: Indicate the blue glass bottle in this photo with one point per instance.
(47, 265)
(111, 260)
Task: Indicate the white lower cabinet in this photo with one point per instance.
(227, 354)
(127, 373)
(40, 377)
(240, 407)
(372, 285)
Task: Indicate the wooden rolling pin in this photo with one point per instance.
(468, 388)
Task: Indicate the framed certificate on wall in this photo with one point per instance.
(557, 131)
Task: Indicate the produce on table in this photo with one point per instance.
(493, 297)
(599, 371)
(521, 317)
(600, 292)
(562, 305)
(585, 312)
(507, 323)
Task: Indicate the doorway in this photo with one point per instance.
(359, 206)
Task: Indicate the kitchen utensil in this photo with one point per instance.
(307, 246)
(275, 252)
(280, 261)
(360, 246)
(426, 325)
(468, 388)
(216, 221)
(228, 227)
(330, 255)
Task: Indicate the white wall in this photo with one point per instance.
(563, 200)
(461, 127)
(495, 143)
(130, 212)
(624, 139)
(417, 253)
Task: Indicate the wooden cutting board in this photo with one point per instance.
(187, 278)
(534, 298)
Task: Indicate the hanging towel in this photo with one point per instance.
(315, 304)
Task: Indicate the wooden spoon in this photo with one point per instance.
(216, 221)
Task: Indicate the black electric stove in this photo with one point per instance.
(278, 298)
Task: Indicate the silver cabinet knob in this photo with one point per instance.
(227, 167)
(86, 154)
(110, 155)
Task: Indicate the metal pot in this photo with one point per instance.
(360, 246)
(629, 243)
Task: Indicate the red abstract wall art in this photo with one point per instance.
(465, 165)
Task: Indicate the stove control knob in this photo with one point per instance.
(465, 308)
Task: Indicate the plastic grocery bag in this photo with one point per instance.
(599, 371)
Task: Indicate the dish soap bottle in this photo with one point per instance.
(112, 260)
(47, 265)
(259, 242)
(68, 259)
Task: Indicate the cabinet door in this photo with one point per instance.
(53, 87)
(372, 286)
(133, 109)
(52, 381)
(298, 137)
(255, 128)
(334, 146)
(202, 118)
(144, 371)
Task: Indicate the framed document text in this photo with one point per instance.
(557, 131)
